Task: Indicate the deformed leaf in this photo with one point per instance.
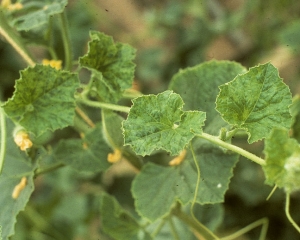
(43, 99)
(111, 65)
(157, 122)
(282, 160)
(37, 13)
(256, 101)
(85, 155)
(118, 223)
(166, 185)
(16, 166)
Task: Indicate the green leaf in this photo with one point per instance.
(157, 122)
(16, 165)
(112, 129)
(256, 101)
(282, 160)
(85, 155)
(43, 99)
(180, 182)
(118, 223)
(37, 13)
(198, 87)
(111, 66)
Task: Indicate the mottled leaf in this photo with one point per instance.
(37, 13)
(157, 122)
(111, 65)
(256, 101)
(43, 99)
(282, 160)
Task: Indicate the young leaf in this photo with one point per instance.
(87, 155)
(282, 161)
(256, 101)
(118, 223)
(171, 184)
(43, 99)
(16, 165)
(111, 66)
(157, 122)
(37, 13)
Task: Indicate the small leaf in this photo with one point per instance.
(87, 155)
(16, 166)
(37, 13)
(157, 122)
(256, 101)
(171, 184)
(43, 99)
(282, 160)
(111, 66)
(118, 223)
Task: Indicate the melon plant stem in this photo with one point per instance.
(66, 41)
(233, 148)
(14, 40)
(3, 138)
(196, 225)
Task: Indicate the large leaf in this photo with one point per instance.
(85, 155)
(118, 223)
(166, 185)
(37, 13)
(198, 87)
(256, 101)
(157, 122)
(16, 166)
(43, 99)
(282, 161)
(111, 65)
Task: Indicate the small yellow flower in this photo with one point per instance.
(177, 160)
(114, 157)
(18, 188)
(12, 7)
(22, 140)
(53, 63)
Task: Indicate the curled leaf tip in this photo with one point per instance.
(179, 159)
(19, 187)
(52, 63)
(115, 156)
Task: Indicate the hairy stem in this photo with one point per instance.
(66, 41)
(287, 213)
(48, 169)
(264, 222)
(3, 139)
(104, 105)
(196, 225)
(233, 148)
(14, 40)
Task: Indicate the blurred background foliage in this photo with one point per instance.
(169, 35)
